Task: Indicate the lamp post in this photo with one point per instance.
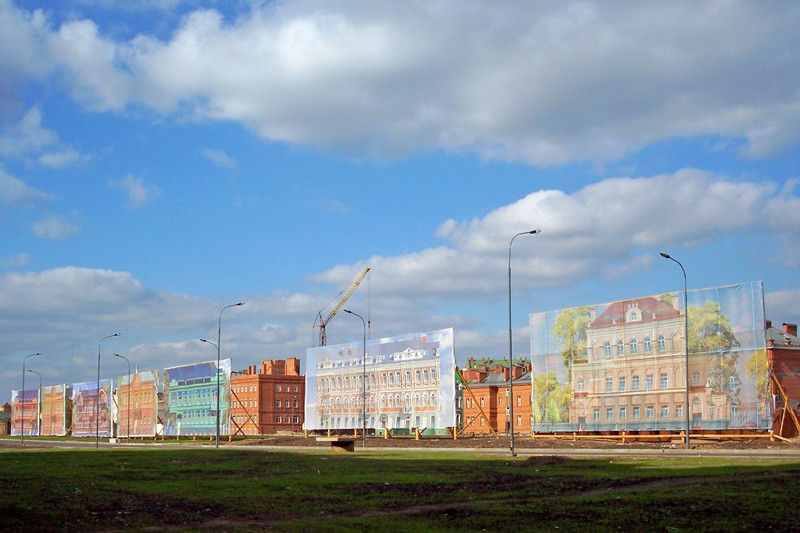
(218, 345)
(363, 381)
(511, 348)
(97, 398)
(21, 400)
(129, 394)
(686, 338)
(38, 404)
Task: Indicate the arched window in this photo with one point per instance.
(620, 348)
(648, 345)
(662, 343)
(634, 345)
(433, 398)
(581, 385)
(607, 350)
(696, 378)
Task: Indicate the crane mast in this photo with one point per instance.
(324, 322)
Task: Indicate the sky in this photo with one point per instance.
(163, 159)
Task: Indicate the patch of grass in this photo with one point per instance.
(191, 488)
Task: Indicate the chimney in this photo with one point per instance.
(790, 329)
(769, 324)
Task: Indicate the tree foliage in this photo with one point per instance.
(569, 333)
(550, 399)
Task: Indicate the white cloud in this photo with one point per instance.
(542, 84)
(15, 261)
(597, 230)
(55, 227)
(219, 158)
(139, 194)
(27, 136)
(15, 191)
(60, 158)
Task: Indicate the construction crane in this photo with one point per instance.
(324, 322)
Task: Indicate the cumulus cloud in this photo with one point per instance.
(597, 230)
(543, 84)
(138, 193)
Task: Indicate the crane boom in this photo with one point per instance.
(339, 304)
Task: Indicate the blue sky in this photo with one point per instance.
(161, 160)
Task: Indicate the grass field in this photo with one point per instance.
(252, 490)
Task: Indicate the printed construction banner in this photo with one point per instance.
(25, 412)
(190, 392)
(410, 383)
(86, 401)
(55, 410)
(622, 366)
(137, 411)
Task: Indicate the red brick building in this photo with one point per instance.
(268, 399)
(486, 395)
(783, 354)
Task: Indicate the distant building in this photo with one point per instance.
(485, 405)
(268, 399)
(783, 354)
(5, 419)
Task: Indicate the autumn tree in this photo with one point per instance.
(710, 332)
(550, 399)
(757, 368)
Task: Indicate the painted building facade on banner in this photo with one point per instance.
(409, 383)
(91, 409)
(190, 393)
(139, 400)
(622, 366)
(56, 410)
(25, 412)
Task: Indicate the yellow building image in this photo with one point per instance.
(632, 376)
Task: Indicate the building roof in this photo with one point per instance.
(649, 307)
(781, 338)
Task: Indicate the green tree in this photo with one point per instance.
(710, 332)
(569, 334)
(550, 399)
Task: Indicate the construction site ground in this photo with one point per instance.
(549, 442)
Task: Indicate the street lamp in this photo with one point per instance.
(218, 345)
(686, 338)
(21, 400)
(511, 348)
(363, 381)
(97, 398)
(38, 404)
(129, 394)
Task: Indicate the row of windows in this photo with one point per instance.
(286, 419)
(386, 401)
(471, 401)
(622, 383)
(388, 379)
(633, 346)
(472, 419)
(636, 412)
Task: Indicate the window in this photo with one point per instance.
(482, 404)
(607, 350)
(609, 384)
(623, 413)
(696, 378)
(581, 385)
(519, 401)
(679, 411)
(621, 382)
(286, 404)
(648, 382)
(635, 384)
(277, 419)
(650, 410)
(648, 345)
(662, 343)
(609, 413)
(665, 411)
(277, 388)
(663, 381)
(519, 420)
(277, 403)
(620, 348)
(636, 412)
(634, 346)
(597, 413)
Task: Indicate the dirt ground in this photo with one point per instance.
(545, 442)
